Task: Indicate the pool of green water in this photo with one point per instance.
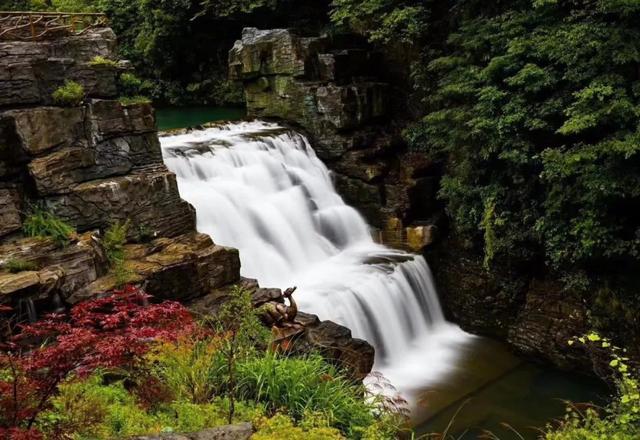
(493, 390)
(169, 118)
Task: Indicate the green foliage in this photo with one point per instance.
(621, 419)
(70, 94)
(102, 61)
(301, 385)
(114, 240)
(533, 108)
(42, 223)
(15, 265)
(191, 369)
(281, 427)
(130, 85)
(382, 20)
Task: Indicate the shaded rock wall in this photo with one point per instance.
(92, 165)
(331, 89)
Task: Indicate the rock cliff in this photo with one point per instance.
(92, 165)
(330, 89)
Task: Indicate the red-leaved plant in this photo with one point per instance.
(106, 333)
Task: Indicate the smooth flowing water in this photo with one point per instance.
(261, 189)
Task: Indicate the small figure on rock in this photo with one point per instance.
(279, 314)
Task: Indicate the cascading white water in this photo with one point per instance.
(261, 189)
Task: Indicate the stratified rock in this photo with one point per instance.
(31, 70)
(549, 318)
(148, 197)
(10, 206)
(57, 269)
(182, 268)
(43, 128)
(333, 93)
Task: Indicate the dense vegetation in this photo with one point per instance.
(118, 366)
(532, 106)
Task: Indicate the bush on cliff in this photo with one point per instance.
(42, 223)
(68, 95)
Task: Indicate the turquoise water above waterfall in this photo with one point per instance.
(169, 118)
(262, 190)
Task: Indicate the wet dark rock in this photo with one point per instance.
(10, 208)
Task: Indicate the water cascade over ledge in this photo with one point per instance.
(261, 188)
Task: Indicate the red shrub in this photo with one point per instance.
(107, 333)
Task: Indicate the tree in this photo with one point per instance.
(243, 333)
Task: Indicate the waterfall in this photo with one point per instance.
(261, 188)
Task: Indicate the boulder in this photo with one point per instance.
(419, 237)
(336, 344)
(110, 119)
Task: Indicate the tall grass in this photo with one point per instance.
(42, 223)
(303, 385)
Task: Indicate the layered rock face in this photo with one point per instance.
(331, 90)
(90, 165)
(93, 165)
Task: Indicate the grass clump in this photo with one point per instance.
(70, 94)
(128, 101)
(16, 265)
(42, 223)
(102, 61)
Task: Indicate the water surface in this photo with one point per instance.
(170, 118)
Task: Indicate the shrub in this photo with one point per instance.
(70, 94)
(192, 370)
(300, 385)
(110, 332)
(130, 85)
(281, 427)
(15, 265)
(42, 223)
(114, 240)
(102, 61)
(621, 419)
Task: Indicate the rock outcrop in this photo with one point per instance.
(331, 90)
(90, 165)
